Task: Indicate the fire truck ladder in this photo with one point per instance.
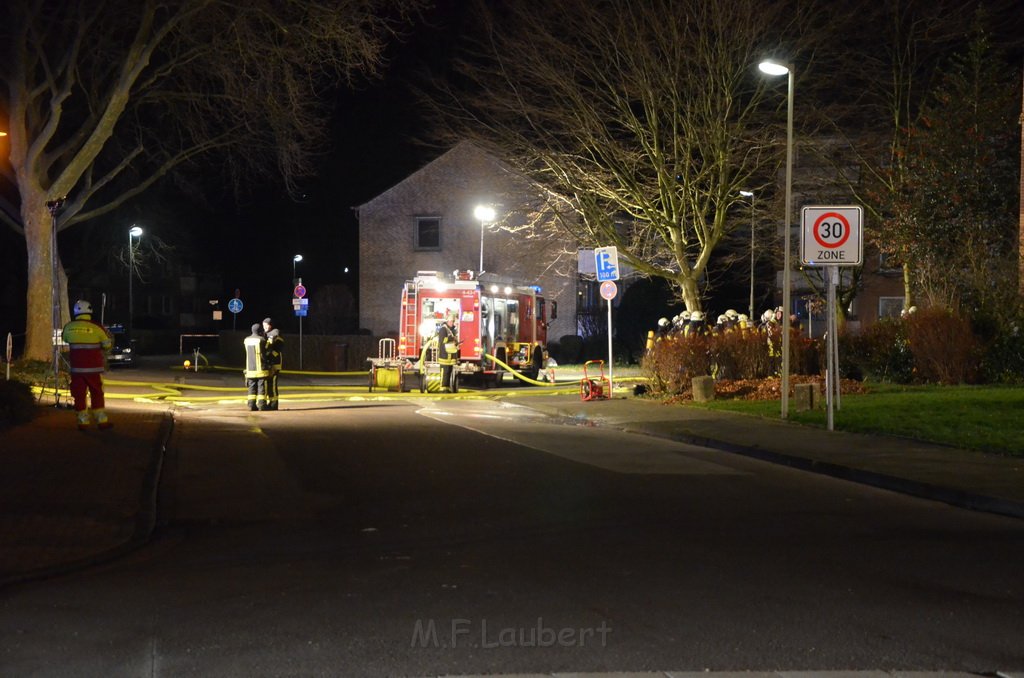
(409, 326)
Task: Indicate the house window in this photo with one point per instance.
(428, 233)
(889, 307)
(887, 263)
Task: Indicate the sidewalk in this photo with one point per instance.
(969, 479)
(70, 498)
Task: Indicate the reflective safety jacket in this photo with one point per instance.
(255, 357)
(275, 347)
(89, 342)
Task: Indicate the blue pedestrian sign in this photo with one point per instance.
(235, 305)
(606, 262)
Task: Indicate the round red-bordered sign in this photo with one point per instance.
(830, 244)
(608, 290)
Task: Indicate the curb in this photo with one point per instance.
(145, 521)
(946, 495)
(923, 490)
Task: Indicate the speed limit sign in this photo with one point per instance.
(832, 236)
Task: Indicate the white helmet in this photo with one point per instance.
(743, 318)
(697, 315)
(685, 315)
(731, 313)
(768, 316)
(82, 307)
(662, 322)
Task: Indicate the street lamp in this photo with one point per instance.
(484, 213)
(296, 259)
(133, 232)
(750, 308)
(775, 68)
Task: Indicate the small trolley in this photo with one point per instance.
(595, 387)
(388, 370)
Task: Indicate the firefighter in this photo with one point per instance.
(256, 369)
(88, 342)
(696, 325)
(275, 349)
(448, 348)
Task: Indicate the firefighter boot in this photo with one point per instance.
(102, 421)
(84, 420)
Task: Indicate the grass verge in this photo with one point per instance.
(983, 418)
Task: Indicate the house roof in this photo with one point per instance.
(457, 154)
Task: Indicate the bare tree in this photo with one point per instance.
(641, 119)
(104, 98)
(890, 76)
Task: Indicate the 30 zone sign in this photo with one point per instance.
(832, 236)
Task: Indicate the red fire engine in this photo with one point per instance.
(496, 318)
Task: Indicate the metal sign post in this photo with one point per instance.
(606, 265)
(301, 305)
(10, 352)
(608, 291)
(832, 237)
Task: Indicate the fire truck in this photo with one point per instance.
(496, 318)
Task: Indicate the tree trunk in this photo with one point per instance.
(691, 295)
(908, 298)
(39, 297)
(1020, 231)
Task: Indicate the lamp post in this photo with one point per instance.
(296, 259)
(750, 307)
(133, 232)
(775, 68)
(484, 213)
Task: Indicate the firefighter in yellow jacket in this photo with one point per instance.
(256, 368)
(448, 350)
(275, 349)
(88, 342)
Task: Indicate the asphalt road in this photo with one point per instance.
(474, 537)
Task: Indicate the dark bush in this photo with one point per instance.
(571, 349)
(675, 359)
(1002, 355)
(943, 346)
(881, 352)
(16, 403)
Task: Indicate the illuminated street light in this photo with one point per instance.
(133, 232)
(296, 259)
(775, 68)
(750, 308)
(485, 214)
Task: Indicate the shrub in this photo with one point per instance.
(880, 352)
(1002, 354)
(944, 348)
(570, 348)
(16, 403)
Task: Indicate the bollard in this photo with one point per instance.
(703, 389)
(806, 396)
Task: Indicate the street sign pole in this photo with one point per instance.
(832, 237)
(606, 264)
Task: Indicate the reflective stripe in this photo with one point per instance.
(75, 347)
(85, 370)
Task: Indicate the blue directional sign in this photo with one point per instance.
(606, 262)
(235, 305)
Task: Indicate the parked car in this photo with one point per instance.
(123, 352)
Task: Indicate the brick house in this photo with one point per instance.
(426, 223)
